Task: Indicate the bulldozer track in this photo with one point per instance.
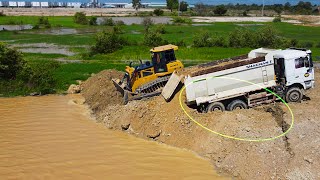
(153, 86)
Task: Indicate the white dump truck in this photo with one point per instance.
(224, 85)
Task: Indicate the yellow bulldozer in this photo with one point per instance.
(147, 79)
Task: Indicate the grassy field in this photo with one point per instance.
(80, 42)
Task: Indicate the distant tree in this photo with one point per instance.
(93, 21)
(278, 8)
(303, 8)
(136, 4)
(80, 18)
(172, 4)
(158, 12)
(287, 6)
(183, 6)
(245, 13)
(220, 10)
(200, 9)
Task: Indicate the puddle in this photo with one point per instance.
(62, 60)
(246, 25)
(44, 48)
(137, 20)
(15, 27)
(135, 32)
(202, 24)
(67, 31)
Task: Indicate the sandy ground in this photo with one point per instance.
(293, 156)
(295, 19)
(305, 19)
(238, 19)
(69, 11)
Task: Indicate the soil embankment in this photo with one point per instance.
(291, 157)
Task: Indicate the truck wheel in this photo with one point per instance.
(216, 106)
(294, 94)
(237, 104)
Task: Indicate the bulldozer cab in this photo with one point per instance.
(161, 56)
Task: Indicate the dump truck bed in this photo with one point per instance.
(229, 79)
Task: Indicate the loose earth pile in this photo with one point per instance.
(293, 156)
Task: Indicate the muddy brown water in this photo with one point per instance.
(54, 137)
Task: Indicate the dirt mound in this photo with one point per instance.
(100, 92)
(290, 157)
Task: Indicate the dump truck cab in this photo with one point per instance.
(294, 67)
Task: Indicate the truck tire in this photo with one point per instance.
(294, 94)
(237, 104)
(215, 106)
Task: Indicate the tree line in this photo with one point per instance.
(302, 7)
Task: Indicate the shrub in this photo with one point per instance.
(41, 77)
(11, 62)
(267, 37)
(264, 37)
(182, 20)
(276, 19)
(153, 38)
(107, 42)
(118, 30)
(161, 29)
(107, 22)
(218, 41)
(36, 26)
(245, 13)
(147, 22)
(220, 10)
(202, 39)
(19, 77)
(2, 13)
(294, 42)
(119, 23)
(93, 21)
(80, 18)
(42, 22)
(306, 44)
(242, 37)
(158, 12)
(180, 43)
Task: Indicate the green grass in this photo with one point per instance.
(67, 74)
(55, 21)
(70, 72)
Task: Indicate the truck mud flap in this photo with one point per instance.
(171, 86)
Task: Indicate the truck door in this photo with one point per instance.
(264, 75)
(279, 69)
(303, 70)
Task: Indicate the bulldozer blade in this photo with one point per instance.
(171, 86)
(118, 87)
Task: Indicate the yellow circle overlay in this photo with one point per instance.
(233, 137)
